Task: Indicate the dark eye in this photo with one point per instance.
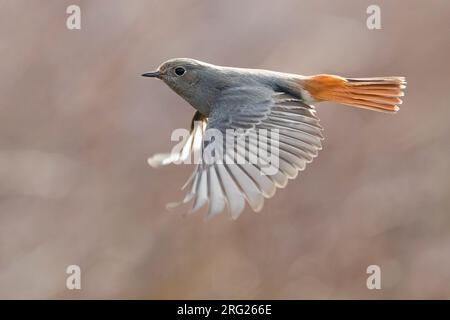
(179, 71)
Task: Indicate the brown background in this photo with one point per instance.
(77, 124)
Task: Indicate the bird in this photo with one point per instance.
(248, 101)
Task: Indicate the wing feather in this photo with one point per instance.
(232, 183)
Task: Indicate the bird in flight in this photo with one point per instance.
(249, 101)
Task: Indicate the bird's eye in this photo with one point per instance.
(179, 71)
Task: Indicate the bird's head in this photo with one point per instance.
(195, 81)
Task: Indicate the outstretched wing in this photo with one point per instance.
(248, 109)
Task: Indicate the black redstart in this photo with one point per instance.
(249, 100)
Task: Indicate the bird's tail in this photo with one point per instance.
(379, 94)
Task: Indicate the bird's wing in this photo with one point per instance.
(190, 145)
(248, 110)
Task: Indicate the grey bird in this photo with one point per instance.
(253, 99)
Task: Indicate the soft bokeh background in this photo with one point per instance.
(77, 124)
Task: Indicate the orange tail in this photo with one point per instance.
(379, 94)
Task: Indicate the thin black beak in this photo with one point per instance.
(154, 74)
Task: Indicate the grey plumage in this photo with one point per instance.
(250, 100)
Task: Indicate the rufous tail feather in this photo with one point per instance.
(379, 94)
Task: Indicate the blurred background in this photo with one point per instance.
(77, 124)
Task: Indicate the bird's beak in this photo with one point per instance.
(153, 74)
